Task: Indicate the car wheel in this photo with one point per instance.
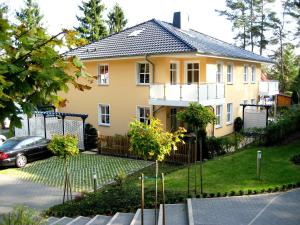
(21, 161)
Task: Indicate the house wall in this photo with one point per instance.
(124, 95)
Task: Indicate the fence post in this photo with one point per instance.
(142, 199)
(163, 197)
(201, 167)
(156, 175)
(45, 129)
(28, 125)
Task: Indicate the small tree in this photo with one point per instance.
(64, 147)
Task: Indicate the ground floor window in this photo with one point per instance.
(218, 116)
(229, 113)
(143, 114)
(174, 121)
(104, 115)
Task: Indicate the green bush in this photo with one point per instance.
(238, 124)
(296, 159)
(90, 137)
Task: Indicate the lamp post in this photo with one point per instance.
(258, 164)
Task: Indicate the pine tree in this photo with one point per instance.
(92, 26)
(116, 19)
(30, 16)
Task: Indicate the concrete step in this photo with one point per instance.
(62, 221)
(149, 217)
(121, 219)
(99, 220)
(176, 214)
(51, 219)
(80, 220)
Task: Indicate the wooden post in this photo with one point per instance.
(142, 199)
(163, 196)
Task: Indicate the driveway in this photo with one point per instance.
(266, 209)
(14, 191)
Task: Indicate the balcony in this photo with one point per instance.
(183, 94)
(268, 88)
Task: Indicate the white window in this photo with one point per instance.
(104, 116)
(219, 74)
(229, 113)
(253, 73)
(143, 73)
(173, 73)
(143, 114)
(245, 73)
(245, 102)
(230, 73)
(192, 73)
(253, 101)
(218, 116)
(103, 74)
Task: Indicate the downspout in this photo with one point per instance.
(152, 79)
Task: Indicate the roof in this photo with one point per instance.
(156, 37)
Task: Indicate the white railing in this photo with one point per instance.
(187, 92)
(269, 87)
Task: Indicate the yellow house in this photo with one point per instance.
(157, 68)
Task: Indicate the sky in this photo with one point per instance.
(60, 14)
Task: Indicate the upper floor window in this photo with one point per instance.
(192, 73)
(219, 110)
(104, 115)
(173, 73)
(253, 73)
(219, 75)
(103, 74)
(229, 73)
(143, 114)
(245, 73)
(143, 73)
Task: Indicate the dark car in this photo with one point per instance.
(18, 151)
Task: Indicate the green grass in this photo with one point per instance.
(82, 167)
(238, 171)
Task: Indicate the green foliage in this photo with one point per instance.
(64, 146)
(116, 19)
(218, 145)
(92, 26)
(91, 137)
(151, 141)
(120, 178)
(238, 124)
(30, 15)
(295, 97)
(23, 216)
(197, 116)
(296, 159)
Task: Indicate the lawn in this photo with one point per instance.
(83, 166)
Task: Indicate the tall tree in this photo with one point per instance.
(92, 26)
(116, 19)
(32, 71)
(30, 15)
(293, 10)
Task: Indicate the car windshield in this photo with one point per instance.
(9, 144)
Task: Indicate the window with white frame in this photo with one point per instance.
(229, 112)
(219, 75)
(253, 101)
(173, 73)
(193, 73)
(245, 102)
(103, 74)
(143, 114)
(245, 73)
(143, 75)
(218, 115)
(253, 73)
(229, 73)
(104, 116)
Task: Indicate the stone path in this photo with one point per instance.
(14, 191)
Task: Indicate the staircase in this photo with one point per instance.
(175, 214)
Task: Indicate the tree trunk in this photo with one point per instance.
(262, 27)
(251, 26)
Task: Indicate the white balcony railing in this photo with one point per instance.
(269, 88)
(183, 94)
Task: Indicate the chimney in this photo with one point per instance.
(181, 20)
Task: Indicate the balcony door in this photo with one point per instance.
(192, 73)
(174, 73)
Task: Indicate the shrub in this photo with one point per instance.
(204, 195)
(218, 194)
(238, 124)
(289, 186)
(269, 190)
(90, 137)
(232, 193)
(249, 192)
(296, 159)
(120, 178)
(255, 192)
(298, 184)
(225, 194)
(283, 187)
(241, 192)
(276, 189)
(262, 191)
(211, 195)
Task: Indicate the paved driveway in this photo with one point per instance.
(14, 191)
(268, 209)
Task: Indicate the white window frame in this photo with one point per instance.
(219, 125)
(229, 113)
(227, 74)
(138, 107)
(253, 75)
(186, 70)
(100, 114)
(177, 71)
(246, 74)
(138, 73)
(99, 78)
(221, 72)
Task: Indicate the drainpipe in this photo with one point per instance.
(213, 128)
(152, 80)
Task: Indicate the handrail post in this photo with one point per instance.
(198, 92)
(164, 91)
(163, 197)
(180, 92)
(142, 199)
